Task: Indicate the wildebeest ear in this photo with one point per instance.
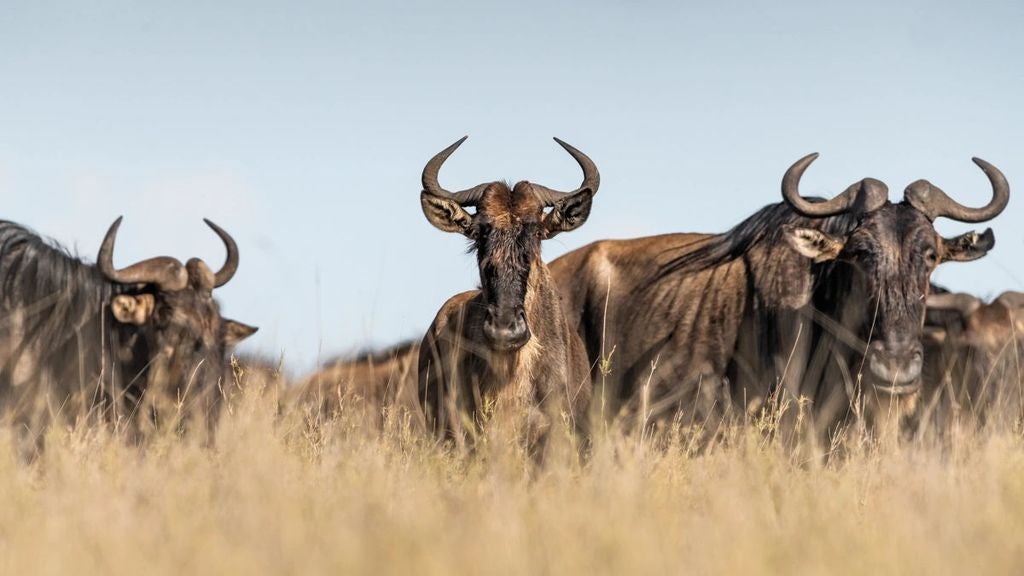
(813, 243)
(235, 332)
(445, 214)
(568, 213)
(132, 309)
(967, 247)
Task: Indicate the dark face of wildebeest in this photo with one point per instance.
(889, 257)
(169, 322)
(506, 231)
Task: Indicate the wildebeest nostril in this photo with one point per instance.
(506, 329)
(895, 364)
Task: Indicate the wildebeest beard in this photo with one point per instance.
(61, 350)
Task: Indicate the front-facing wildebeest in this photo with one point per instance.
(505, 352)
(95, 341)
(822, 300)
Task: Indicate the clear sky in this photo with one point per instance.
(302, 128)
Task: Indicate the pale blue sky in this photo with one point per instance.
(303, 127)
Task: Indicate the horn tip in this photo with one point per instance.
(802, 164)
(454, 146)
(563, 143)
(213, 226)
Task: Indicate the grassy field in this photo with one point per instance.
(293, 494)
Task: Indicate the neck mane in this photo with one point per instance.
(761, 230)
(54, 292)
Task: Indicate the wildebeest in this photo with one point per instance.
(94, 340)
(974, 360)
(507, 347)
(378, 382)
(815, 299)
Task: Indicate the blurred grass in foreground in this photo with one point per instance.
(295, 492)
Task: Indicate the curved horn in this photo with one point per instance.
(863, 196)
(166, 272)
(467, 197)
(227, 271)
(934, 203)
(965, 304)
(591, 177)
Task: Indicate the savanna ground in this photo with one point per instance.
(290, 492)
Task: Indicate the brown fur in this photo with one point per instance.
(694, 325)
(379, 383)
(974, 368)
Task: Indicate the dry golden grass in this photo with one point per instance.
(288, 494)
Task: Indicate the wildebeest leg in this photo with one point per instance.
(644, 384)
(700, 403)
(557, 432)
(537, 435)
(601, 340)
(713, 406)
(790, 360)
(439, 387)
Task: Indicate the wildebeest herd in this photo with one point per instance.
(825, 304)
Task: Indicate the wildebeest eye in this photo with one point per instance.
(930, 256)
(162, 314)
(479, 230)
